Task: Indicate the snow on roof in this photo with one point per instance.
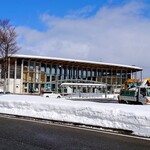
(83, 84)
(75, 60)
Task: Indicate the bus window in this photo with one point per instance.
(143, 91)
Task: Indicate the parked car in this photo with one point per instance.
(51, 95)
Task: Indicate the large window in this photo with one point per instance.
(31, 66)
(53, 72)
(19, 69)
(65, 72)
(43, 67)
(74, 73)
(48, 71)
(84, 74)
(31, 77)
(25, 66)
(12, 69)
(89, 74)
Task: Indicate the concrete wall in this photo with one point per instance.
(15, 86)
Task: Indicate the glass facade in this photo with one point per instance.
(36, 75)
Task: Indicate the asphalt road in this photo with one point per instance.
(27, 135)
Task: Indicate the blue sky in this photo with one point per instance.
(27, 12)
(116, 31)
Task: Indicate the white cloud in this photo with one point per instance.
(118, 34)
(83, 12)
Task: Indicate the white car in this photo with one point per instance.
(51, 95)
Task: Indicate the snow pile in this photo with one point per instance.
(120, 116)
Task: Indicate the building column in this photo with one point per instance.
(101, 76)
(126, 74)
(131, 76)
(91, 74)
(96, 74)
(8, 80)
(106, 75)
(141, 75)
(121, 77)
(81, 73)
(111, 77)
(66, 72)
(116, 78)
(51, 73)
(21, 81)
(14, 87)
(86, 74)
(56, 79)
(28, 78)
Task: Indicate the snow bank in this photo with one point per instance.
(120, 116)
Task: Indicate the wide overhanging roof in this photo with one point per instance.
(76, 62)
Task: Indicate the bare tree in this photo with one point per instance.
(8, 46)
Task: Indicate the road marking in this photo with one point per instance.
(51, 122)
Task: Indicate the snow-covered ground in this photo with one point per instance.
(111, 115)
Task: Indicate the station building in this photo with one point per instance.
(28, 74)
